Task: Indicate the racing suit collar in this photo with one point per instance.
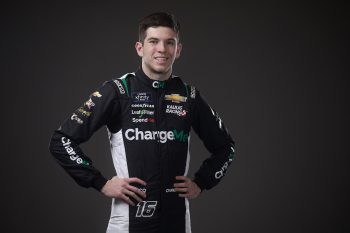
(150, 82)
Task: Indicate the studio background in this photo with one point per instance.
(275, 71)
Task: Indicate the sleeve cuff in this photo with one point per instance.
(200, 183)
(99, 182)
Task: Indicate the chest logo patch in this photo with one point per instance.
(176, 98)
(138, 97)
(176, 110)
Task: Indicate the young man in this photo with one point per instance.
(148, 115)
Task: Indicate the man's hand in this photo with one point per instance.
(187, 188)
(121, 188)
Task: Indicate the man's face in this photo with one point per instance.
(159, 50)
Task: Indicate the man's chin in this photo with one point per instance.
(161, 70)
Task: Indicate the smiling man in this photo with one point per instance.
(158, 47)
(149, 115)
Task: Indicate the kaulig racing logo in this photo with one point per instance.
(162, 136)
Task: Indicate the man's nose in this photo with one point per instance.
(161, 46)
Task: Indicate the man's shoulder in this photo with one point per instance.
(190, 88)
(121, 78)
(121, 83)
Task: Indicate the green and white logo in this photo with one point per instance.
(161, 136)
(66, 143)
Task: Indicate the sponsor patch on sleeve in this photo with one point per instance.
(96, 94)
(193, 92)
(120, 87)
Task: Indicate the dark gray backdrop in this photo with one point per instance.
(276, 72)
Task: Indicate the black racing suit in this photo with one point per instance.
(149, 126)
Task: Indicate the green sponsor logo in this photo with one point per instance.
(161, 136)
(66, 143)
(180, 136)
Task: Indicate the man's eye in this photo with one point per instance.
(153, 42)
(171, 42)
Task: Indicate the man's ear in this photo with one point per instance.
(139, 48)
(178, 50)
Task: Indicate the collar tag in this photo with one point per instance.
(158, 84)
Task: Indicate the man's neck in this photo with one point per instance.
(157, 76)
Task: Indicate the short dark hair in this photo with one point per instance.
(158, 19)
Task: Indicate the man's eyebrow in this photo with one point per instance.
(154, 38)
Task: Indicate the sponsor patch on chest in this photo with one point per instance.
(177, 110)
(175, 98)
(141, 97)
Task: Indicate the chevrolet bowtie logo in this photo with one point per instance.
(176, 98)
(96, 94)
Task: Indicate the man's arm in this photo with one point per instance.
(78, 128)
(99, 108)
(216, 138)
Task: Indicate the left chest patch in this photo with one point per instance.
(141, 97)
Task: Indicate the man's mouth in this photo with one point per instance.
(161, 59)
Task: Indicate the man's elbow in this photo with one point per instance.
(54, 142)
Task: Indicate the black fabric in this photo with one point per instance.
(155, 119)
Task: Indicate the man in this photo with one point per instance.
(148, 115)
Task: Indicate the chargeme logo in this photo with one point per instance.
(223, 169)
(73, 156)
(162, 136)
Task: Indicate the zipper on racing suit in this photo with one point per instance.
(159, 95)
